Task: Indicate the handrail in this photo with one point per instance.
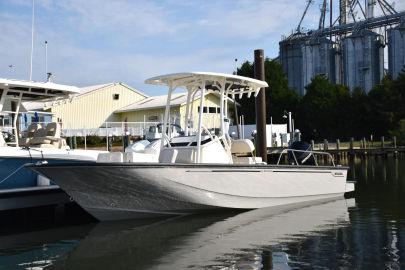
(167, 139)
(207, 131)
(293, 151)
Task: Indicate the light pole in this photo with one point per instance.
(290, 121)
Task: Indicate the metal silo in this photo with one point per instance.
(291, 59)
(396, 50)
(363, 60)
(320, 57)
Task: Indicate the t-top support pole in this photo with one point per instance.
(200, 120)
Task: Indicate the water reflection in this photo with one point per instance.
(39, 249)
(242, 241)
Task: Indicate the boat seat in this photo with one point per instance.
(247, 160)
(41, 132)
(53, 130)
(116, 157)
(31, 130)
(168, 156)
(242, 147)
(131, 157)
(48, 137)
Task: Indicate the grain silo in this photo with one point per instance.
(363, 60)
(320, 57)
(396, 50)
(291, 59)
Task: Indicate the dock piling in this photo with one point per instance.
(325, 145)
(260, 106)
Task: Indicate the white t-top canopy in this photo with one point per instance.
(234, 84)
(36, 90)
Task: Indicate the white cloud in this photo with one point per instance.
(96, 41)
(142, 17)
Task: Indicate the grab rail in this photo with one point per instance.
(311, 153)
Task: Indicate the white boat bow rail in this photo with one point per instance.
(310, 153)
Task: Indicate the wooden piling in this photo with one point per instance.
(351, 146)
(109, 143)
(74, 142)
(70, 142)
(260, 106)
(125, 141)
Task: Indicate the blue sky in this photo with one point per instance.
(99, 41)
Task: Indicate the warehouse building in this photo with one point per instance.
(116, 108)
(94, 106)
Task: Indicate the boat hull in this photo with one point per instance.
(21, 187)
(123, 191)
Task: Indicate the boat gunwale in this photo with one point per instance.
(180, 165)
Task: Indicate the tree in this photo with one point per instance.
(279, 97)
(400, 132)
(323, 110)
(384, 101)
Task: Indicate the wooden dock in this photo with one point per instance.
(351, 149)
(363, 148)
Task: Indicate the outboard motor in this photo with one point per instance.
(303, 158)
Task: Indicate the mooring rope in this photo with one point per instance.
(22, 166)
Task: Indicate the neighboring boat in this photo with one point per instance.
(198, 171)
(19, 186)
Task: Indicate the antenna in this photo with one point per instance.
(32, 36)
(46, 60)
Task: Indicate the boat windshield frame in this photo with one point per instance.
(228, 86)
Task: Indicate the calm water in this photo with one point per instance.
(363, 232)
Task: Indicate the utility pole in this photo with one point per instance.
(32, 36)
(46, 61)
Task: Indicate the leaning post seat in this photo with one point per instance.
(242, 147)
(30, 133)
(48, 137)
(242, 152)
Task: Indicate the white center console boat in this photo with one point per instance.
(198, 171)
